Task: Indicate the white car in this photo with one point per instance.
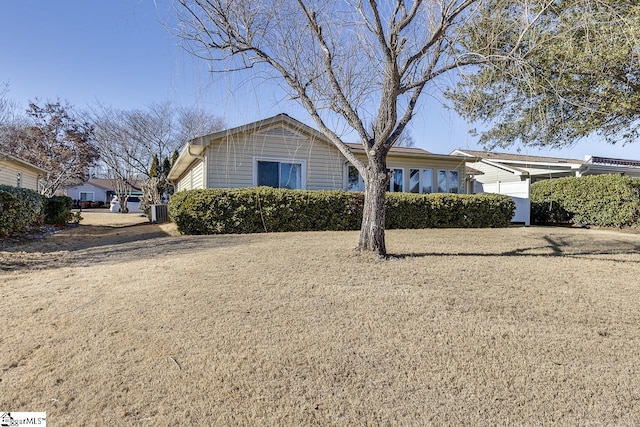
(133, 205)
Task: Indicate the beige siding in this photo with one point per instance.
(231, 162)
(193, 178)
(9, 174)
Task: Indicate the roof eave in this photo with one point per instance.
(499, 165)
(423, 155)
(24, 163)
(186, 157)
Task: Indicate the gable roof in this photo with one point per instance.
(250, 127)
(195, 148)
(107, 185)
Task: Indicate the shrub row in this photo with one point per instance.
(255, 210)
(406, 210)
(263, 209)
(87, 204)
(602, 200)
(19, 207)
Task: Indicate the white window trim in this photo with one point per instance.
(93, 194)
(303, 163)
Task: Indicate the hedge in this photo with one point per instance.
(19, 208)
(265, 209)
(57, 210)
(602, 200)
(407, 210)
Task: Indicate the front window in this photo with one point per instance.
(397, 180)
(354, 180)
(454, 182)
(427, 181)
(290, 176)
(86, 197)
(279, 174)
(414, 180)
(448, 181)
(420, 180)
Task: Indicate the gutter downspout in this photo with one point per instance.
(204, 164)
(197, 156)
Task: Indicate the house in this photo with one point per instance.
(19, 173)
(513, 174)
(94, 190)
(101, 190)
(283, 152)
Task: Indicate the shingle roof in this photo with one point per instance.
(519, 157)
(106, 184)
(407, 150)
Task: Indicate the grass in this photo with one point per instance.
(523, 326)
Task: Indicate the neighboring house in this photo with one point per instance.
(283, 152)
(513, 174)
(18, 173)
(94, 190)
(101, 190)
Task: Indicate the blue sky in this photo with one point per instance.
(119, 53)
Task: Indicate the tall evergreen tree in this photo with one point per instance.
(153, 170)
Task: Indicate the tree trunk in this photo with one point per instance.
(373, 215)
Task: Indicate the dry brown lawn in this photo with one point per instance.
(135, 325)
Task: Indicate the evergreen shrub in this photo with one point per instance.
(602, 200)
(58, 210)
(19, 208)
(265, 209)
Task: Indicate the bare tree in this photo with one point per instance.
(7, 117)
(118, 153)
(193, 122)
(405, 140)
(7, 107)
(130, 140)
(12, 122)
(365, 63)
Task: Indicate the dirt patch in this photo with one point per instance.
(99, 232)
(523, 326)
